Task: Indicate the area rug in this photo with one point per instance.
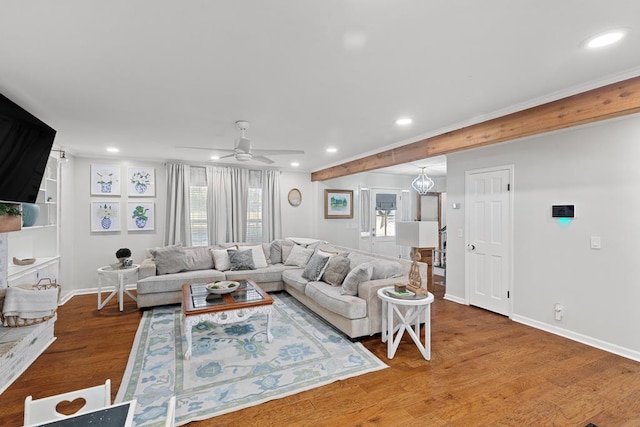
(233, 366)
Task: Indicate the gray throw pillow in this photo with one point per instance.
(198, 258)
(299, 256)
(385, 269)
(314, 269)
(337, 269)
(241, 259)
(360, 274)
(279, 251)
(169, 259)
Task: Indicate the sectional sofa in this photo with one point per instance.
(337, 283)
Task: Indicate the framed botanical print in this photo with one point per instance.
(338, 204)
(140, 216)
(105, 180)
(141, 182)
(105, 216)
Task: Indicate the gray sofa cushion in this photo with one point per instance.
(337, 269)
(272, 273)
(198, 258)
(357, 259)
(294, 278)
(169, 259)
(330, 298)
(384, 269)
(315, 267)
(241, 259)
(299, 256)
(361, 273)
(174, 282)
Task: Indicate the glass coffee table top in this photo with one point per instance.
(246, 293)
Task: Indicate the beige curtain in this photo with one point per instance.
(178, 225)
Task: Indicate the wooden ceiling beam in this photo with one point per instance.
(606, 102)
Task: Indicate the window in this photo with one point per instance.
(386, 207)
(198, 204)
(254, 207)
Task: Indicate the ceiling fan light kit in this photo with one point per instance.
(242, 148)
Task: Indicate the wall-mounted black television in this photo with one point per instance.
(25, 144)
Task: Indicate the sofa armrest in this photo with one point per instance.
(147, 269)
(369, 291)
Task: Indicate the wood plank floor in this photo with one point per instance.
(485, 370)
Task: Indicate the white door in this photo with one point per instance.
(386, 209)
(488, 252)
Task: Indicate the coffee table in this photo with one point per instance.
(198, 306)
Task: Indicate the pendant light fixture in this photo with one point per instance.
(422, 184)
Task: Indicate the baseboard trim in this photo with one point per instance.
(455, 299)
(584, 339)
(87, 291)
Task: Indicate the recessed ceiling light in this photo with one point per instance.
(332, 150)
(215, 157)
(605, 39)
(295, 164)
(404, 121)
(113, 149)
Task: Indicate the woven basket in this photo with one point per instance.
(14, 321)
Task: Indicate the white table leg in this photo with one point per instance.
(101, 303)
(269, 336)
(187, 327)
(385, 331)
(120, 292)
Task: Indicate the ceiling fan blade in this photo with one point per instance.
(262, 159)
(228, 155)
(276, 152)
(224, 150)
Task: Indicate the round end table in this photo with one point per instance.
(408, 320)
(116, 276)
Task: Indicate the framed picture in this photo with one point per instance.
(105, 216)
(338, 204)
(141, 182)
(105, 180)
(140, 216)
(294, 197)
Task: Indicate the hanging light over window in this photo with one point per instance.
(422, 184)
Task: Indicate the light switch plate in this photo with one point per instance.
(595, 242)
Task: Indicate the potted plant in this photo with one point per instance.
(140, 216)
(141, 180)
(10, 217)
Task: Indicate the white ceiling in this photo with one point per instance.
(150, 75)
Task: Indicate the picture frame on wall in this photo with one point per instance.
(338, 204)
(105, 180)
(105, 216)
(141, 182)
(140, 216)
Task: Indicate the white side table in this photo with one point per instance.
(408, 321)
(117, 277)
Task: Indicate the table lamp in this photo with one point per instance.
(417, 234)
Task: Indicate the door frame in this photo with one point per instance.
(510, 221)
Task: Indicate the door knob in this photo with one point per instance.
(472, 247)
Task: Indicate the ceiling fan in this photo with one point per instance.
(242, 150)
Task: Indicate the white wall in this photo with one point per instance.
(594, 167)
(298, 221)
(83, 251)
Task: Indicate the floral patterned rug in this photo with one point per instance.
(233, 366)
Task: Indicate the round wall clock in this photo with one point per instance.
(294, 197)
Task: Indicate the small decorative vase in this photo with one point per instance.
(30, 213)
(106, 223)
(141, 188)
(105, 187)
(141, 223)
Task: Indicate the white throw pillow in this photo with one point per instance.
(259, 260)
(221, 259)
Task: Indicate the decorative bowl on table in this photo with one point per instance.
(222, 287)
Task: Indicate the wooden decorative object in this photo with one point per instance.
(415, 281)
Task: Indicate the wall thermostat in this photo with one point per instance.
(562, 211)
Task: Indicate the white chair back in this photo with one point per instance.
(171, 413)
(44, 410)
